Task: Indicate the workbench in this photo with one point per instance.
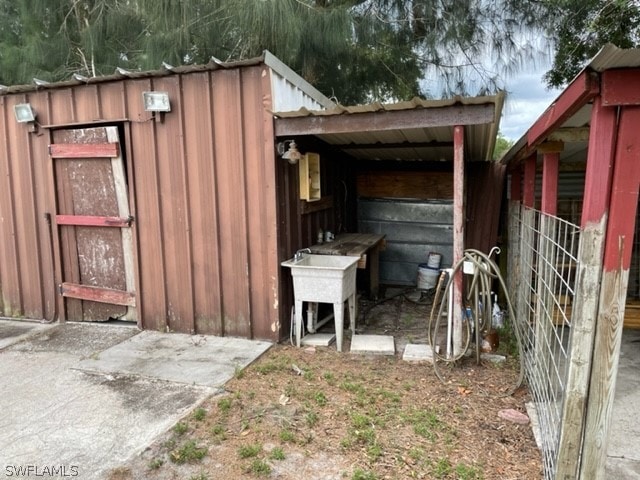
(366, 246)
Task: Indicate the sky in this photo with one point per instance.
(527, 98)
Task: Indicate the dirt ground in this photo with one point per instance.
(313, 413)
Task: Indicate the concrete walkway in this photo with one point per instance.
(80, 399)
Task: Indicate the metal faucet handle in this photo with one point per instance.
(298, 254)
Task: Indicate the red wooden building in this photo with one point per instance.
(575, 174)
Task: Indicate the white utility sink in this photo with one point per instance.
(324, 279)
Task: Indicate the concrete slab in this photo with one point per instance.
(12, 332)
(191, 359)
(83, 423)
(373, 344)
(623, 452)
(318, 339)
(414, 352)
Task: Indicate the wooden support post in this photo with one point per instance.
(550, 164)
(615, 276)
(599, 172)
(458, 232)
(529, 193)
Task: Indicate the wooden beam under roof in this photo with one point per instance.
(569, 135)
(385, 120)
(379, 145)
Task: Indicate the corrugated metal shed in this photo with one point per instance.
(403, 139)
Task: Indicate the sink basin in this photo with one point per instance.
(324, 279)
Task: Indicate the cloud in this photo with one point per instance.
(527, 98)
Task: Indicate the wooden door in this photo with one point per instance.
(94, 225)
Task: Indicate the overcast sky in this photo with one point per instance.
(527, 98)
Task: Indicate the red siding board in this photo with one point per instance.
(550, 183)
(528, 195)
(620, 87)
(98, 150)
(200, 171)
(230, 185)
(624, 193)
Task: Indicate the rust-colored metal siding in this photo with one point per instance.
(202, 188)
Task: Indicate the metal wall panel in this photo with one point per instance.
(202, 188)
(413, 229)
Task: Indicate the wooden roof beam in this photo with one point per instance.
(386, 120)
(569, 135)
(377, 146)
(582, 90)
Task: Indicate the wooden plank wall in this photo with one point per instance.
(203, 194)
(484, 202)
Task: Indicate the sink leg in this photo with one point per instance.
(298, 322)
(338, 313)
(352, 314)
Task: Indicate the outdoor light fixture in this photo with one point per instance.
(292, 154)
(24, 113)
(156, 101)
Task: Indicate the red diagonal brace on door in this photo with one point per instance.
(98, 294)
(93, 221)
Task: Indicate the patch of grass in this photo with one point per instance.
(442, 468)
(189, 452)
(359, 474)
(156, 463)
(360, 420)
(224, 404)
(320, 398)
(312, 419)
(352, 387)
(277, 364)
(199, 414)
(416, 453)
(277, 454)
(180, 428)
(287, 436)
(249, 451)
(308, 375)
(330, 378)
(260, 468)
(219, 432)
(374, 451)
(425, 423)
(238, 372)
(467, 472)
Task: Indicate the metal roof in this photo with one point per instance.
(400, 139)
(609, 57)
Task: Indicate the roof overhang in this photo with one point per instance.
(564, 126)
(414, 130)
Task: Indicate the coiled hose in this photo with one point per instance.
(479, 292)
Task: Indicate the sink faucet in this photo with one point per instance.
(298, 255)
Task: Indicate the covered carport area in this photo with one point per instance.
(412, 171)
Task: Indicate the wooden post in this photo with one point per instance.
(610, 319)
(529, 193)
(602, 141)
(458, 232)
(516, 185)
(550, 164)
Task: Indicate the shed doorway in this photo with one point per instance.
(94, 224)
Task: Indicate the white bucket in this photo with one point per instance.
(427, 277)
(433, 260)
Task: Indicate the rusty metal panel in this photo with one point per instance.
(203, 193)
(232, 194)
(148, 223)
(202, 203)
(261, 216)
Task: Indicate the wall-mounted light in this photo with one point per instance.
(24, 113)
(156, 101)
(291, 154)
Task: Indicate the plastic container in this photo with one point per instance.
(427, 277)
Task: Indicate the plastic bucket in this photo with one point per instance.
(427, 277)
(433, 260)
